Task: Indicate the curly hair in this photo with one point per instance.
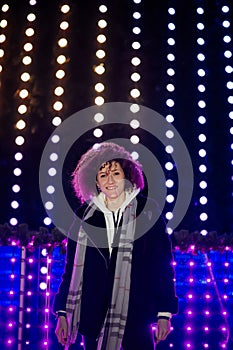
(84, 176)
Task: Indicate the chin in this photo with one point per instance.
(112, 196)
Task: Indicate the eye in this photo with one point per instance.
(116, 173)
(102, 176)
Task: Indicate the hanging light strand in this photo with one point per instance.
(23, 96)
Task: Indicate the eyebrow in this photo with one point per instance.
(106, 171)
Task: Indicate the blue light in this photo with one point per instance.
(227, 38)
(171, 26)
(171, 41)
(226, 24)
(228, 54)
(200, 10)
(225, 9)
(201, 72)
(229, 69)
(201, 88)
(200, 41)
(171, 11)
(200, 26)
(202, 120)
(201, 57)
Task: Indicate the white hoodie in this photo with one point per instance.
(113, 219)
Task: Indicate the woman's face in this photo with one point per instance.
(110, 179)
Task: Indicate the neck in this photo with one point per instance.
(115, 203)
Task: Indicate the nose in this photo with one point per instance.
(110, 178)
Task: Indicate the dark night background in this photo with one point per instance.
(79, 91)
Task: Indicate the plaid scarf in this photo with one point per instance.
(112, 332)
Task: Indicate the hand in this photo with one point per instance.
(61, 330)
(162, 330)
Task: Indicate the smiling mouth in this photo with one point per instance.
(111, 188)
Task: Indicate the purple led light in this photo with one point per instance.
(206, 346)
(226, 264)
(226, 280)
(209, 263)
(206, 329)
(13, 260)
(28, 325)
(191, 263)
(189, 312)
(190, 296)
(28, 309)
(46, 326)
(10, 309)
(11, 292)
(225, 296)
(207, 312)
(45, 343)
(12, 276)
(29, 293)
(191, 280)
(189, 328)
(30, 261)
(207, 296)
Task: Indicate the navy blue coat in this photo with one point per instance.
(152, 274)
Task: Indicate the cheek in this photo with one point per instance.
(121, 182)
(98, 184)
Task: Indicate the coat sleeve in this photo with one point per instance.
(61, 296)
(162, 268)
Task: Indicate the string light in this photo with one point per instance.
(226, 23)
(99, 67)
(202, 138)
(60, 62)
(23, 96)
(170, 102)
(135, 78)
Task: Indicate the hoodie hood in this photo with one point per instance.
(112, 219)
(99, 200)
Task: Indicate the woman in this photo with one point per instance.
(118, 278)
